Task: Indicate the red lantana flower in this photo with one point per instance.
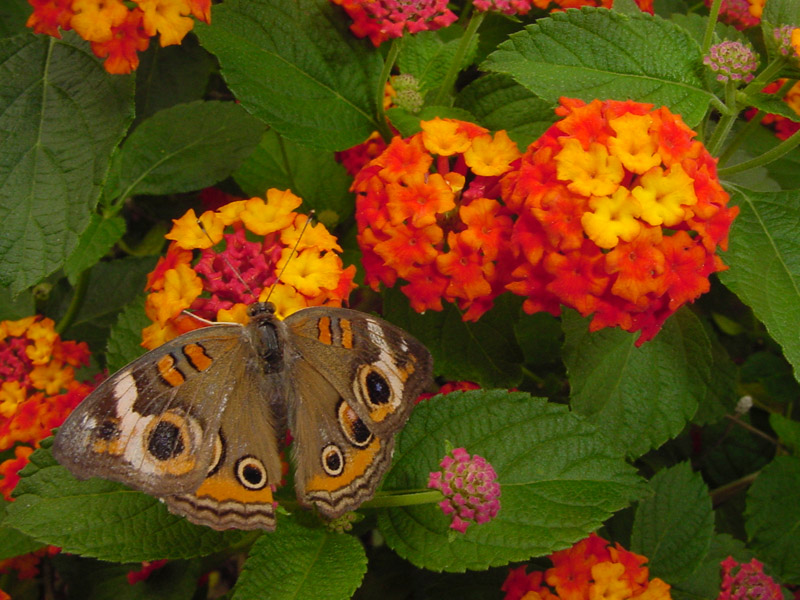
(429, 213)
(619, 214)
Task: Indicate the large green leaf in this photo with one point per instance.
(297, 562)
(560, 479)
(764, 260)
(648, 393)
(103, 519)
(674, 527)
(772, 518)
(61, 115)
(314, 84)
(183, 148)
(596, 53)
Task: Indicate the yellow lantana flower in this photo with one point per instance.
(609, 583)
(273, 215)
(663, 196)
(188, 233)
(443, 137)
(633, 144)
(167, 17)
(491, 156)
(612, 218)
(94, 19)
(592, 173)
(309, 271)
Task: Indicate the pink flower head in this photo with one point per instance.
(508, 7)
(731, 61)
(469, 484)
(381, 20)
(748, 583)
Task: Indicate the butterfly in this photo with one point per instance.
(198, 421)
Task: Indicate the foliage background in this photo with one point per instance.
(639, 441)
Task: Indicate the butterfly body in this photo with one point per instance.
(197, 421)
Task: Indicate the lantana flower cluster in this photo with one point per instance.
(247, 251)
(38, 389)
(470, 489)
(615, 211)
(736, 13)
(620, 215)
(747, 581)
(590, 569)
(381, 20)
(428, 213)
(116, 30)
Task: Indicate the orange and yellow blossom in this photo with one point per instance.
(246, 251)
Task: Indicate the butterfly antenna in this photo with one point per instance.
(311, 214)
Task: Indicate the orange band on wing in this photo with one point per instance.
(169, 372)
(347, 333)
(223, 489)
(356, 465)
(197, 356)
(324, 325)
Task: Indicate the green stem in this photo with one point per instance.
(712, 23)
(740, 137)
(449, 79)
(78, 296)
(722, 493)
(781, 149)
(765, 77)
(726, 121)
(388, 65)
(383, 500)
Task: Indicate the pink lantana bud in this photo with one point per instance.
(469, 484)
(731, 61)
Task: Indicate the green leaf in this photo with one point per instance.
(780, 12)
(498, 102)
(13, 14)
(772, 517)
(298, 562)
(15, 306)
(125, 340)
(788, 431)
(315, 85)
(95, 242)
(485, 352)
(103, 519)
(649, 393)
(314, 175)
(427, 57)
(111, 286)
(674, 527)
(765, 264)
(183, 148)
(771, 104)
(61, 115)
(560, 480)
(12, 542)
(720, 394)
(171, 75)
(597, 53)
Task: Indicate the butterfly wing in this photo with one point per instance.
(354, 385)
(177, 418)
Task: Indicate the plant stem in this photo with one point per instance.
(766, 158)
(721, 494)
(740, 137)
(726, 121)
(380, 112)
(753, 430)
(449, 79)
(78, 296)
(382, 500)
(713, 13)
